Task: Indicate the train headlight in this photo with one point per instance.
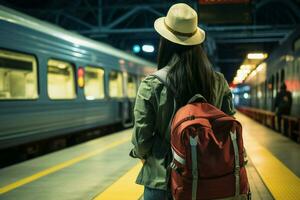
(80, 74)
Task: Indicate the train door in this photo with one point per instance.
(117, 92)
(125, 103)
(126, 113)
(130, 88)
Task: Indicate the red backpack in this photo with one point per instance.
(208, 152)
(208, 155)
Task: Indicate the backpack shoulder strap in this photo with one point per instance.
(162, 76)
(197, 98)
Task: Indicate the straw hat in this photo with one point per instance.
(180, 25)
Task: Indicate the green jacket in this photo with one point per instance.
(152, 112)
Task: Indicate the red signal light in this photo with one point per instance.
(80, 74)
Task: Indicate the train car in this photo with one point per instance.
(54, 82)
(283, 66)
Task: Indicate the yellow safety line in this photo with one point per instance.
(124, 188)
(280, 180)
(60, 166)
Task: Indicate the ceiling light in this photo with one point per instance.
(148, 48)
(246, 67)
(257, 56)
(261, 67)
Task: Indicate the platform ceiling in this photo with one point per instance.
(234, 27)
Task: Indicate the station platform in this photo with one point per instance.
(102, 170)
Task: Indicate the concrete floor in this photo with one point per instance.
(85, 170)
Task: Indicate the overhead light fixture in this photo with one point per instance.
(238, 80)
(243, 72)
(148, 48)
(289, 58)
(247, 67)
(246, 95)
(257, 56)
(261, 67)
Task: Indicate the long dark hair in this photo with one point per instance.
(191, 75)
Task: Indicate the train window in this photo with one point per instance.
(115, 84)
(131, 86)
(61, 80)
(18, 76)
(94, 83)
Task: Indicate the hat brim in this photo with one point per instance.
(197, 38)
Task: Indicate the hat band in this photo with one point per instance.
(179, 33)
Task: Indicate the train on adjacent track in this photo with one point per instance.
(54, 82)
(260, 88)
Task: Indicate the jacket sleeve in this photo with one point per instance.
(144, 123)
(227, 102)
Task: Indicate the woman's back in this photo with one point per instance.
(190, 73)
(153, 113)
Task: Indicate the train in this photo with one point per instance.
(55, 82)
(260, 88)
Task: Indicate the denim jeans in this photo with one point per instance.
(154, 194)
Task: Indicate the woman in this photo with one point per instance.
(190, 73)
